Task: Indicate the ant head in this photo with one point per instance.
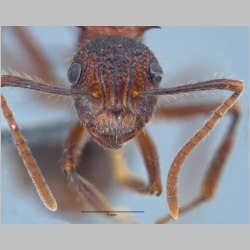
(115, 71)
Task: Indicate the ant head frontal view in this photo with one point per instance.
(115, 70)
(114, 84)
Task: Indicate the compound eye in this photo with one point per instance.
(74, 73)
(156, 72)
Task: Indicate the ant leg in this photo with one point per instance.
(125, 178)
(74, 143)
(185, 111)
(40, 65)
(29, 161)
(182, 112)
(212, 175)
(122, 174)
(150, 157)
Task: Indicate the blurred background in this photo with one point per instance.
(185, 53)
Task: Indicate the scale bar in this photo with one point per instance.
(112, 211)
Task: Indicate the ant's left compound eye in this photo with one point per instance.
(156, 72)
(74, 73)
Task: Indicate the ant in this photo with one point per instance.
(133, 94)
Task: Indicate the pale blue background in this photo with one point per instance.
(184, 53)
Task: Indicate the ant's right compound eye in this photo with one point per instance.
(74, 73)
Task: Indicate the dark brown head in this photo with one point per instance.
(115, 71)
